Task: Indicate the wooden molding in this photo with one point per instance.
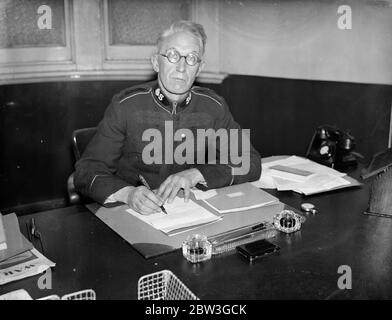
(91, 75)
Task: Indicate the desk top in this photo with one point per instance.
(89, 254)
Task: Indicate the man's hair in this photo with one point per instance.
(193, 28)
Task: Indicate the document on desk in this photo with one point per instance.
(181, 217)
(16, 242)
(240, 197)
(320, 182)
(26, 264)
(303, 176)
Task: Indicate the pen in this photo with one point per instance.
(229, 240)
(148, 187)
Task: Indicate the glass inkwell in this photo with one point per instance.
(196, 248)
(288, 221)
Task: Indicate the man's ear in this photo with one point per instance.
(154, 62)
(201, 67)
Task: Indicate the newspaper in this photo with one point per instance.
(26, 264)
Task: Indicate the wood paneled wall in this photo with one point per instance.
(36, 122)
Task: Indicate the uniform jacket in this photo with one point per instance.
(113, 158)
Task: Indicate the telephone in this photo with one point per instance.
(333, 147)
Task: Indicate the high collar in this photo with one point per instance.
(160, 96)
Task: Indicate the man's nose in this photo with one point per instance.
(181, 65)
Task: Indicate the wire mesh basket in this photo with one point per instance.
(163, 285)
(87, 294)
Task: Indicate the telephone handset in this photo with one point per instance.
(332, 147)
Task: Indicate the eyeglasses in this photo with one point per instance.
(174, 56)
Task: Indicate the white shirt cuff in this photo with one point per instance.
(120, 195)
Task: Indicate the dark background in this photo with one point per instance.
(37, 120)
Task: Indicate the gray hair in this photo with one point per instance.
(196, 29)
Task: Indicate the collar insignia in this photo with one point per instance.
(165, 101)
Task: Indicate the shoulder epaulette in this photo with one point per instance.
(131, 92)
(206, 92)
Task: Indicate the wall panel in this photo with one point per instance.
(36, 122)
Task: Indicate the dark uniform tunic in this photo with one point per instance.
(113, 158)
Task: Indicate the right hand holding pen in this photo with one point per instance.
(144, 200)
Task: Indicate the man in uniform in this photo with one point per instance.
(110, 168)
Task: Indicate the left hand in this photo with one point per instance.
(182, 180)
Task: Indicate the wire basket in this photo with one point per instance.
(163, 285)
(87, 294)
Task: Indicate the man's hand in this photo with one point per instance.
(182, 180)
(144, 200)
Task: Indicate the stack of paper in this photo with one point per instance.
(300, 175)
(20, 259)
(181, 217)
(16, 242)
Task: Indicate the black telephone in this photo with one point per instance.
(333, 147)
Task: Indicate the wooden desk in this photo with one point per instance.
(90, 255)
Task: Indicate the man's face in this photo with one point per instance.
(177, 78)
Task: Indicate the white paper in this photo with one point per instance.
(321, 182)
(201, 195)
(292, 160)
(286, 176)
(265, 181)
(20, 294)
(322, 179)
(304, 164)
(26, 264)
(285, 185)
(180, 214)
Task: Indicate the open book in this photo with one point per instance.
(240, 197)
(181, 217)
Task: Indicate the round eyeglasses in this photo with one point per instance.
(174, 57)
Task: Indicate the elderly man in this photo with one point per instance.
(110, 168)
